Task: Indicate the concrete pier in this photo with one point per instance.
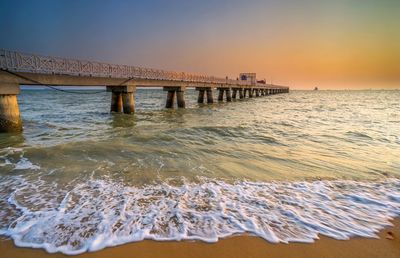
(180, 98)
(120, 80)
(245, 91)
(210, 98)
(241, 93)
(234, 93)
(179, 92)
(122, 99)
(228, 95)
(221, 94)
(10, 120)
(200, 98)
(170, 99)
(116, 102)
(128, 101)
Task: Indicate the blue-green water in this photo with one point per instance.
(284, 167)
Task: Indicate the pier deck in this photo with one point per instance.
(27, 69)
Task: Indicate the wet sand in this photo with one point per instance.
(388, 245)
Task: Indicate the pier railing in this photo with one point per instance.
(30, 63)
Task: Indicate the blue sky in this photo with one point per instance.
(333, 44)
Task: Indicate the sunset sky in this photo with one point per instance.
(353, 44)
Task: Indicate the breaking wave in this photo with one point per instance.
(93, 214)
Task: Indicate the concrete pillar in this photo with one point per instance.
(116, 102)
(234, 91)
(221, 94)
(228, 95)
(10, 120)
(128, 101)
(170, 99)
(200, 99)
(180, 98)
(241, 93)
(210, 98)
(262, 92)
(122, 98)
(250, 93)
(257, 92)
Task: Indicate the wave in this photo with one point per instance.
(88, 215)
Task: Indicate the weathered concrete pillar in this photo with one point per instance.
(234, 91)
(180, 98)
(210, 98)
(250, 93)
(241, 93)
(200, 99)
(116, 102)
(221, 94)
(262, 92)
(228, 95)
(170, 99)
(128, 101)
(122, 98)
(10, 120)
(257, 92)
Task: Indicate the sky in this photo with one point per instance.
(337, 44)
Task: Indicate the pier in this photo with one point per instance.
(121, 80)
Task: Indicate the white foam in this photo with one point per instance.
(24, 163)
(95, 214)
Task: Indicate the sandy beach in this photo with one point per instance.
(388, 245)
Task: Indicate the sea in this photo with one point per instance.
(286, 168)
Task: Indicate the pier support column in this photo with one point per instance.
(122, 99)
(10, 120)
(228, 95)
(241, 93)
(200, 99)
(250, 93)
(234, 92)
(180, 98)
(220, 94)
(128, 102)
(257, 92)
(170, 99)
(210, 98)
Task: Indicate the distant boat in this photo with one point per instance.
(316, 88)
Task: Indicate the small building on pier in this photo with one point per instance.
(251, 77)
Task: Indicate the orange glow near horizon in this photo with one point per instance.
(343, 44)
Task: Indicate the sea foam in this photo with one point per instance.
(94, 214)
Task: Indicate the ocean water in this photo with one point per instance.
(285, 168)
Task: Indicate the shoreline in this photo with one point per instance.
(237, 246)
